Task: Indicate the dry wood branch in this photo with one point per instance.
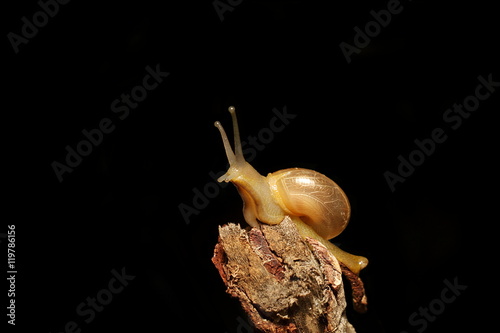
(284, 282)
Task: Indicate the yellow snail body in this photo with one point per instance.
(315, 203)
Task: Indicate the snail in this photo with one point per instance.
(315, 203)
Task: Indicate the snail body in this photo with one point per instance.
(315, 203)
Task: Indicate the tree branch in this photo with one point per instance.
(285, 283)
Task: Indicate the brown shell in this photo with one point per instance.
(313, 197)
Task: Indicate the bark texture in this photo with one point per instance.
(285, 283)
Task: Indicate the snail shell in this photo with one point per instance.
(313, 197)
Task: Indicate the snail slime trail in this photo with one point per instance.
(315, 203)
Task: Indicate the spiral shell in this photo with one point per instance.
(313, 197)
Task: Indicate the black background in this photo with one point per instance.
(119, 208)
